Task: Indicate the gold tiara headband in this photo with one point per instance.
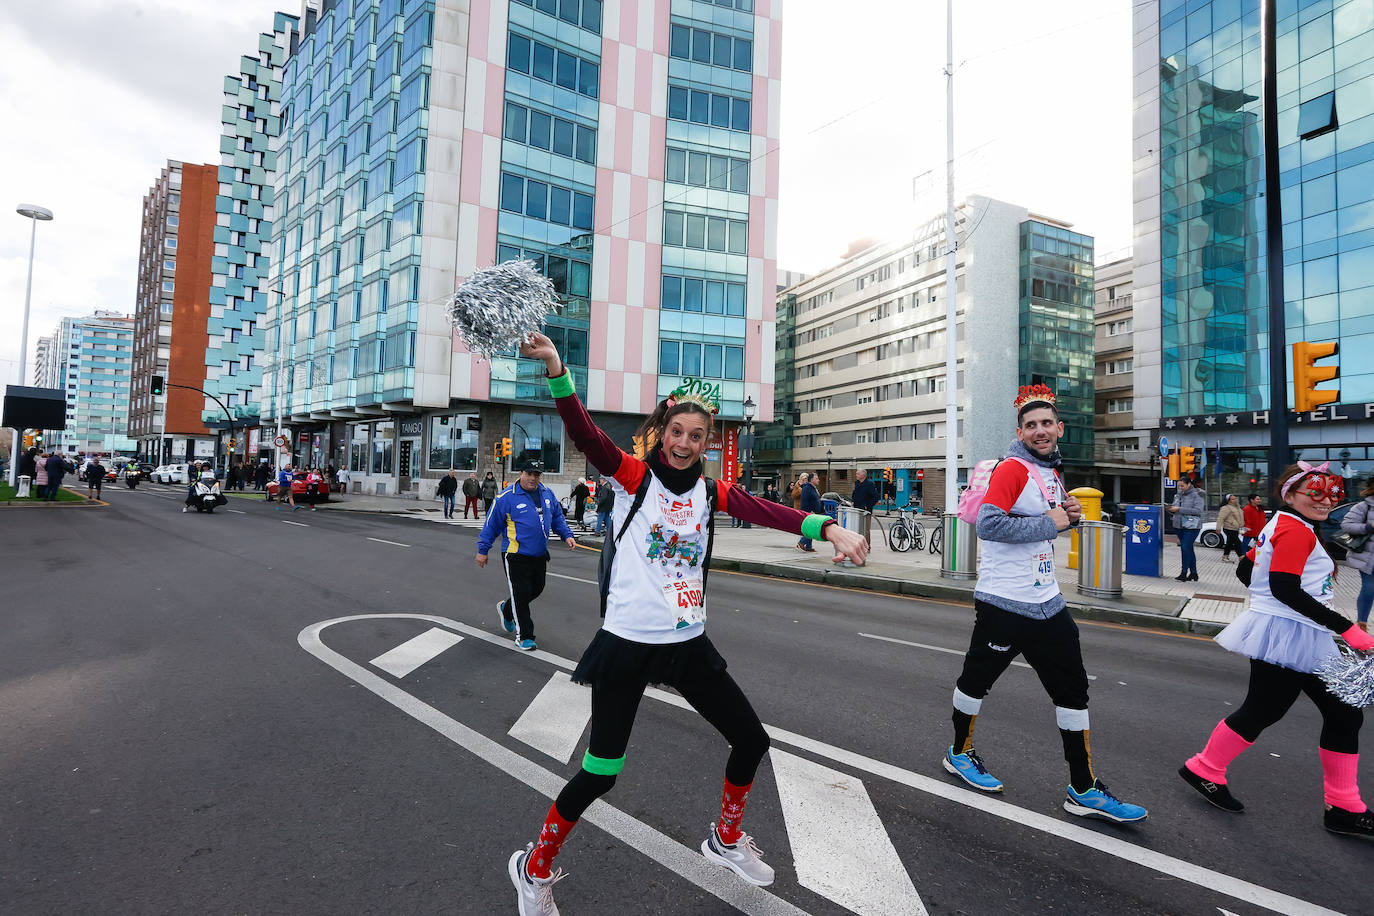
(685, 394)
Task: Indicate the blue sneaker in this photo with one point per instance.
(507, 623)
(969, 767)
(1100, 802)
(527, 644)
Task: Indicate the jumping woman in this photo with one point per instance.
(1286, 633)
(653, 580)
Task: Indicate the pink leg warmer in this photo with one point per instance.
(1223, 747)
(1338, 779)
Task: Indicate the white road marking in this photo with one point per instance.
(839, 845)
(413, 653)
(555, 721)
(392, 543)
(637, 835)
(238, 511)
(947, 791)
(297, 524)
(921, 645)
(572, 578)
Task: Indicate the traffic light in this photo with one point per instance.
(157, 385)
(496, 451)
(887, 475)
(1187, 460)
(38, 438)
(739, 470)
(232, 443)
(1307, 375)
(28, 440)
(505, 447)
(1171, 466)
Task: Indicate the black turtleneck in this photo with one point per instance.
(678, 481)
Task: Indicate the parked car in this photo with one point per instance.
(173, 473)
(300, 487)
(1213, 537)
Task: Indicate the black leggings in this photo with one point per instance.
(714, 694)
(1232, 544)
(1272, 692)
(1051, 648)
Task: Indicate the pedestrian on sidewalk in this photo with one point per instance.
(341, 480)
(522, 517)
(1286, 633)
(447, 490)
(865, 495)
(1255, 520)
(811, 504)
(796, 490)
(653, 601)
(489, 489)
(1360, 522)
(472, 491)
(263, 475)
(231, 477)
(605, 505)
(28, 467)
(580, 493)
(314, 483)
(1230, 520)
(40, 476)
(95, 478)
(57, 469)
(1188, 507)
(1018, 609)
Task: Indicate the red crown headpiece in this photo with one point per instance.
(1033, 394)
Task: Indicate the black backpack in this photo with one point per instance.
(612, 541)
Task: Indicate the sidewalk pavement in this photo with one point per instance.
(1203, 607)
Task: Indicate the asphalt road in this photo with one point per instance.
(183, 736)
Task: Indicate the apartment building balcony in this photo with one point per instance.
(1104, 454)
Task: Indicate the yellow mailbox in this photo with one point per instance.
(1091, 500)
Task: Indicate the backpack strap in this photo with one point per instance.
(612, 540)
(1034, 474)
(715, 502)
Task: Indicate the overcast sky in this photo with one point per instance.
(96, 95)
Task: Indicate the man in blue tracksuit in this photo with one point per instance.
(523, 516)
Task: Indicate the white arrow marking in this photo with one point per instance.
(555, 721)
(839, 845)
(639, 836)
(413, 653)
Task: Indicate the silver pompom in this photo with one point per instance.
(498, 307)
(1349, 677)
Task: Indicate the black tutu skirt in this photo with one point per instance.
(612, 660)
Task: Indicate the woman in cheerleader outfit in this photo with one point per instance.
(1286, 632)
(653, 582)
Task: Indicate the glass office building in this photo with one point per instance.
(1201, 283)
(94, 360)
(630, 154)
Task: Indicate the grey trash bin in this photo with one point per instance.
(23, 486)
(959, 552)
(1101, 553)
(856, 520)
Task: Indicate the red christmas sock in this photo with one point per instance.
(556, 830)
(732, 802)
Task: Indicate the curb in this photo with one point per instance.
(1090, 609)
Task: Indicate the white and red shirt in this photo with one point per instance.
(1288, 544)
(1023, 572)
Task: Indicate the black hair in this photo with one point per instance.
(1035, 405)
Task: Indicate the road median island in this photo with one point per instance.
(66, 499)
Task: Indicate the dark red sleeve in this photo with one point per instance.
(597, 446)
(740, 504)
(1008, 481)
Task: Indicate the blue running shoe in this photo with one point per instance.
(1100, 802)
(506, 622)
(969, 767)
(527, 644)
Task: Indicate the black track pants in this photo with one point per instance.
(525, 577)
(1050, 646)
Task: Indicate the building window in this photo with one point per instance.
(711, 48)
(1123, 326)
(451, 444)
(1317, 116)
(699, 107)
(538, 436)
(1120, 405)
(1120, 366)
(551, 65)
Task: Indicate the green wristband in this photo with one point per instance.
(602, 766)
(561, 386)
(814, 525)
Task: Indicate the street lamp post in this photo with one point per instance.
(827, 469)
(748, 445)
(35, 213)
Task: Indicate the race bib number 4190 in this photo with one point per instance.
(686, 601)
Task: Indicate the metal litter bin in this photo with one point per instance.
(959, 553)
(23, 485)
(831, 508)
(856, 520)
(1101, 548)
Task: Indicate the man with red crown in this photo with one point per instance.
(1019, 611)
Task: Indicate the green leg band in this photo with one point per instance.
(601, 766)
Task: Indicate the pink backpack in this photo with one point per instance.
(971, 500)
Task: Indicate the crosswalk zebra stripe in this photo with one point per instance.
(555, 721)
(839, 844)
(413, 653)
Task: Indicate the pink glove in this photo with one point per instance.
(1358, 639)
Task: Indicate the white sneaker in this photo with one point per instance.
(743, 858)
(534, 895)
(184, 509)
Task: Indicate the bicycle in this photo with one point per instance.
(937, 541)
(906, 532)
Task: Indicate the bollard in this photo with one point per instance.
(1091, 501)
(1101, 549)
(856, 520)
(959, 555)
